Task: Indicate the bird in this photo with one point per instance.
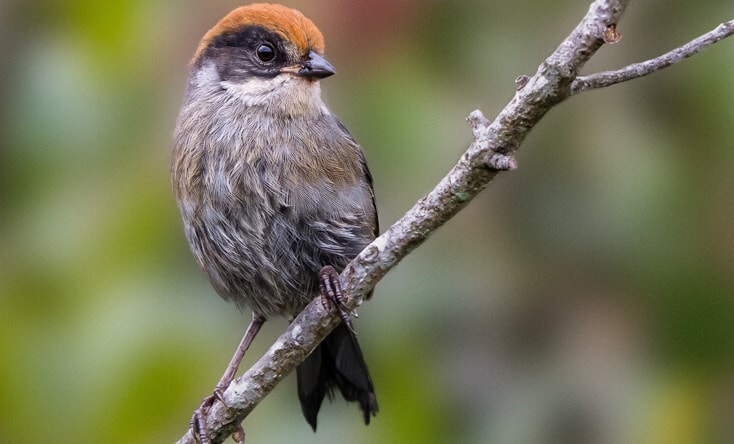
(275, 194)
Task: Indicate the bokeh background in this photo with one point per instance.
(587, 297)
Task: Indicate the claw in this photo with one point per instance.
(198, 421)
(239, 435)
(332, 295)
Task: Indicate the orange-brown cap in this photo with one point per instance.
(290, 23)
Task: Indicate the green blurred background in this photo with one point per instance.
(587, 297)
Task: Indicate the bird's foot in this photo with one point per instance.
(199, 426)
(332, 295)
(198, 421)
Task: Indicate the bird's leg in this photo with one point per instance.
(198, 422)
(331, 291)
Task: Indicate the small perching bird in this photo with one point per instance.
(274, 193)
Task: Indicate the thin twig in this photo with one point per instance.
(636, 70)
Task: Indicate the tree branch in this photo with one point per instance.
(641, 69)
(490, 152)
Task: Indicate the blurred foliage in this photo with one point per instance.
(586, 297)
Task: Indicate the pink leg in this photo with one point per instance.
(198, 422)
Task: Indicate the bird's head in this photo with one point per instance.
(264, 54)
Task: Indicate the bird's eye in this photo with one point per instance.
(265, 52)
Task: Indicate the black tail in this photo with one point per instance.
(336, 362)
